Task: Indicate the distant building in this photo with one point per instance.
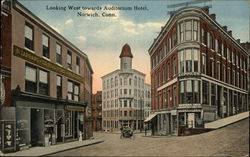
(96, 107)
(147, 100)
(198, 72)
(123, 95)
(47, 80)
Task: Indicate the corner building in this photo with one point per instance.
(198, 72)
(51, 85)
(124, 95)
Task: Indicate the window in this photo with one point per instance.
(229, 54)
(70, 90)
(224, 73)
(59, 86)
(195, 30)
(181, 61)
(189, 94)
(174, 68)
(229, 75)
(217, 45)
(213, 94)
(212, 67)
(36, 80)
(58, 54)
(125, 103)
(222, 50)
(73, 91)
(167, 74)
(30, 80)
(233, 59)
(219, 70)
(77, 65)
(125, 113)
(125, 81)
(29, 36)
(205, 92)
(204, 64)
(125, 91)
(196, 59)
(135, 81)
(182, 92)
(210, 40)
(130, 81)
(203, 36)
(45, 41)
(188, 33)
(233, 78)
(182, 31)
(188, 60)
(189, 91)
(116, 81)
(69, 60)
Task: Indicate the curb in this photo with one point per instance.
(74, 148)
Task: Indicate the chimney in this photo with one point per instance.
(238, 41)
(230, 33)
(206, 9)
(213, 16)
(225, 28)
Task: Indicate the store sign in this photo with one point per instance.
(75, 108)
(8, 135)
(29, 56)
(6, 6)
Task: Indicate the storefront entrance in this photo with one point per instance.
(36, 127)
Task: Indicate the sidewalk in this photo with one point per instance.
(42, 151)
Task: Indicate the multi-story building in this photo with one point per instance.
(198, 72)
(123, 95)
(147, 100)
(96, 107)
(51, 83)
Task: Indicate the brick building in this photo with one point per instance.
(50, 81)
(198, 72)
(96, 107)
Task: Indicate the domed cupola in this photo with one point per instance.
(126, 58)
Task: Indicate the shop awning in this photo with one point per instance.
(151, 116)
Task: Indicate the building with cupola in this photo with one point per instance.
(124, 94)
(198, 73)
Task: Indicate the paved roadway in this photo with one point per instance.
(232, 140)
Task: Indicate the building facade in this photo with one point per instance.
(123, 95)
(198, 72)
(97, 110)
(51, 84)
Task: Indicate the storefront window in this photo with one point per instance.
(205, 93)
(68, 123)
(213, 94)
(49, 133)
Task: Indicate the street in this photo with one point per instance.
(232, 140)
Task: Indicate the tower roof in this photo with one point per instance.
(126, 51)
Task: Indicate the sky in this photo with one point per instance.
(102, 38)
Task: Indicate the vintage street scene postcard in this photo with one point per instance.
(125, 78)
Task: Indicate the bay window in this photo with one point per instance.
(188, 33)
(189, 91)
(188, 60)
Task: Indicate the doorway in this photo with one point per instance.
(37, 129)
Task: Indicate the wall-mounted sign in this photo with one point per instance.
(6, 6)
(75, 108)
(29, 56)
